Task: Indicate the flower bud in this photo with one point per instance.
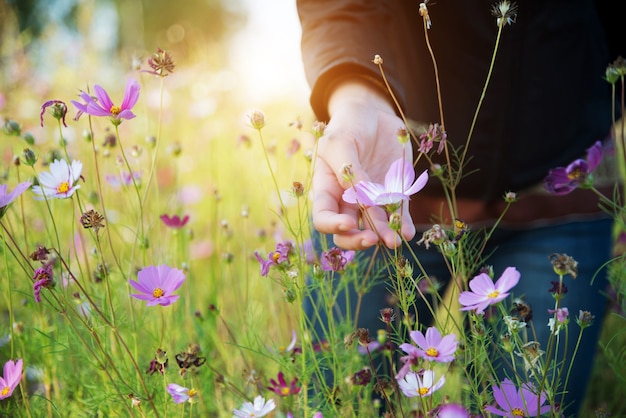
(402, 135)
(257, 120)
(12, 128)
(395, 221)
(28, 157)
(28, 138)
(318, 129)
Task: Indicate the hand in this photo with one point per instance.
(362, 132)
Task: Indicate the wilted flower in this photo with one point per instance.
(92, 219)
(157, 284)
(10, 378)
(161, 63)
(517, 403)
(399, 186)
(584, 318)
(564, 264)
(6, 198)
(335, 259)
(60, 182)
(435, 235)
(413, 384)
(258, 409)
(58, 110)
(175, 221)
(432, 135)
(558, 288)
(281, 388)
(559, 320)
(102, 105)
(563, 180)
(181, 394)
(485, 293)
(362, 377)
(504, 12)
(42, 277)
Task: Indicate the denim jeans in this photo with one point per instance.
(528, 249)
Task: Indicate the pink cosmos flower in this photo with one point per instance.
(6, 198)
(452, 410)
(484, 293)
(399, 185)
(101, 104)
(335, 259)
(275, 258)
(10, 378)
(281, 388)
(181, 394)
(563, 180)
(513, 403)
(413, 384)
(124, 179)
(157, 284)
(174, 221)
(60, 182)
(258, 409)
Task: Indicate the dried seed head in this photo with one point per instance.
(161, 63)
(92, 219)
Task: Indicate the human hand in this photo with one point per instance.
(362, 133)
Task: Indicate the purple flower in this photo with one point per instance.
(258, 409)
(101, 104)
(60, 182)
(335, 259)
(42, 278)
(413, 384)
(58, 109)
(6, 198)
(281, 388)
(399, 186)
(274, 258)
(514, 403)
(452, 410)
(559, 320)
(123, 179)
(563, 180)
(175, 221)
(485, 293)
(157, 284)
(181, 394)
(10, 378)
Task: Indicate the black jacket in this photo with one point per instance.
(546, 102)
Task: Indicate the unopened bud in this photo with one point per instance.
(297, 188)
(28, 157)
(378, 60)
(28, 138)
(403, 135)
(510, 197)
(257, 120)
(346, 173)
(395, 221)
(12, 128)
(318, 129)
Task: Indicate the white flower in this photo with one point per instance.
(412, 385)
(60, 182)
(260, 408)
(513, 324)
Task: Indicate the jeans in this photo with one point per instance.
(588, 242)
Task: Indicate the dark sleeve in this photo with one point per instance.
(339, 40)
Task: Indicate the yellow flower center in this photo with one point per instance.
(192, 393)
(284, 391)
(63, 187)
(493, 294)
(422, 391)
(432, 352)
(115, 110)
(517, 412)
(575, 174)
(158, 292)
(4, 391)
(275, 257)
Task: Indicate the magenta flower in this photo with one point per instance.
(484, 293)
(335, 259)
(157, 284)
(563, 180)
(181, 394)
(60, 182)
(281, 388)
(10, 378)
(258, 409)
(399, 186)
(451, 410)
(101, 104)
(514, 403)
(275, 258)
(175, 221)
(6, 198)
(413, 384)
(42, 277)
(559, 320)
(58, 109)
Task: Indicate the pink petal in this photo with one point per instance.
(104, 101)
(482, 284)
(508, 280)
(419, 184)
(131, 95)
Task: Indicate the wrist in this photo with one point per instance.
(359, 89)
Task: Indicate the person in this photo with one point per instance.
(545, 105)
